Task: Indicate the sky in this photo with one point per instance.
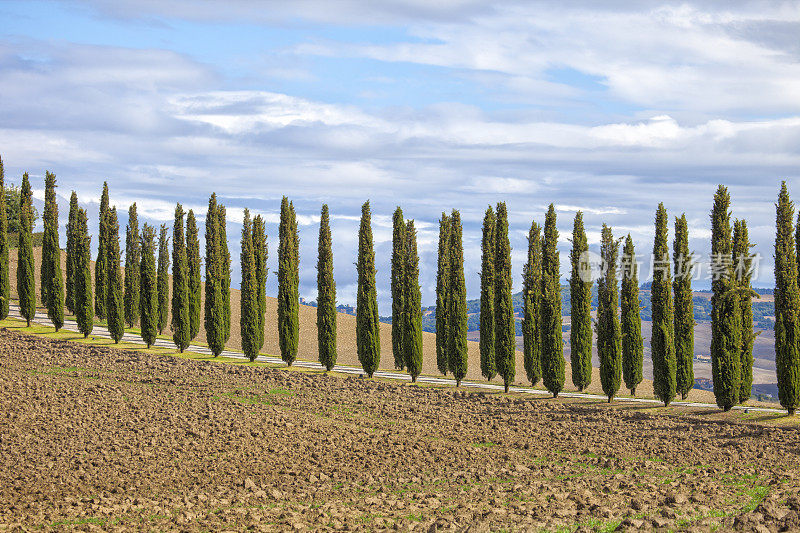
(431, 106)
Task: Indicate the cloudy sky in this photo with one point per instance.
(427, 105)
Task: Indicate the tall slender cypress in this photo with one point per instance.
(326, 294)
(580, 285)
(72, 222)
(743, 264)
(194, 284)
(684, 309)
(5, 282)
(26, 288)
(488, 366)
(399, 249)
(504, 327)
(457, 303)
(531, 301)
(442, 289)
(412, 316)
(632, 342)
(225, 270)
(115, 307)
(725, 313)
(51, 278)
(163, 278)
(148, 283)
(609, 337)
(260, 257)
(552, 342)
(84, 300)
(248, 317)
(214, 311)
(662, 343)
(180, 283)
(288, 280)
(368, 342)
(132, 262)
(100, 267)
(787, 305)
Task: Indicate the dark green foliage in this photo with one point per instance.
(248, 318)
(84, 300)
(684, 309)
(11, 197)
(326, 294)
(552, 343)
(100, 267)
(399, 249)
(260, 257)
(163, 278)
(662, 346)
(225, 270)
(412, 316)
(632, 343)
(214, 309)
(725, 314)
(368, 342)
(148, 284)
(580, 283)
(532, 296)
(488, 366)
(69, 299)
(742, 264)
(288, 281)
(609, 337)
(26, 288)
(180, 284)
(456, 303)
(505, 343)
(195, 284)
(5, 283)
(787, 305)
(442, 289)
(115, 308)
(133, 254)
(51, 278)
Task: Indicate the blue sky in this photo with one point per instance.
(431, 106)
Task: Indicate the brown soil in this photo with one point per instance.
(95, 438)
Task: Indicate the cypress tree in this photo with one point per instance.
(442, 289)
(412, 316)
(632, 343)
(457, 303)
(552, 342)
(84, 300)
(148, 283)
(180, 283)
(163, 278)
(743, 264)
(248, 318)
(225, 273)
(399, 249)
(115, 306)
(368, 342)
(132, 260)
(662, 344)
(488, 366)
(787, 306)
(326, 294)
(725, 313)
(100, 267)
(580, 285)
(288, 280)
(51, 278)
(194, 285)
(260, 257)
(532, 299)
(69, 299)
(5, 282)
(26, 288)
(684, 309)
(504, 327)
(609, 339)
(214, 310)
